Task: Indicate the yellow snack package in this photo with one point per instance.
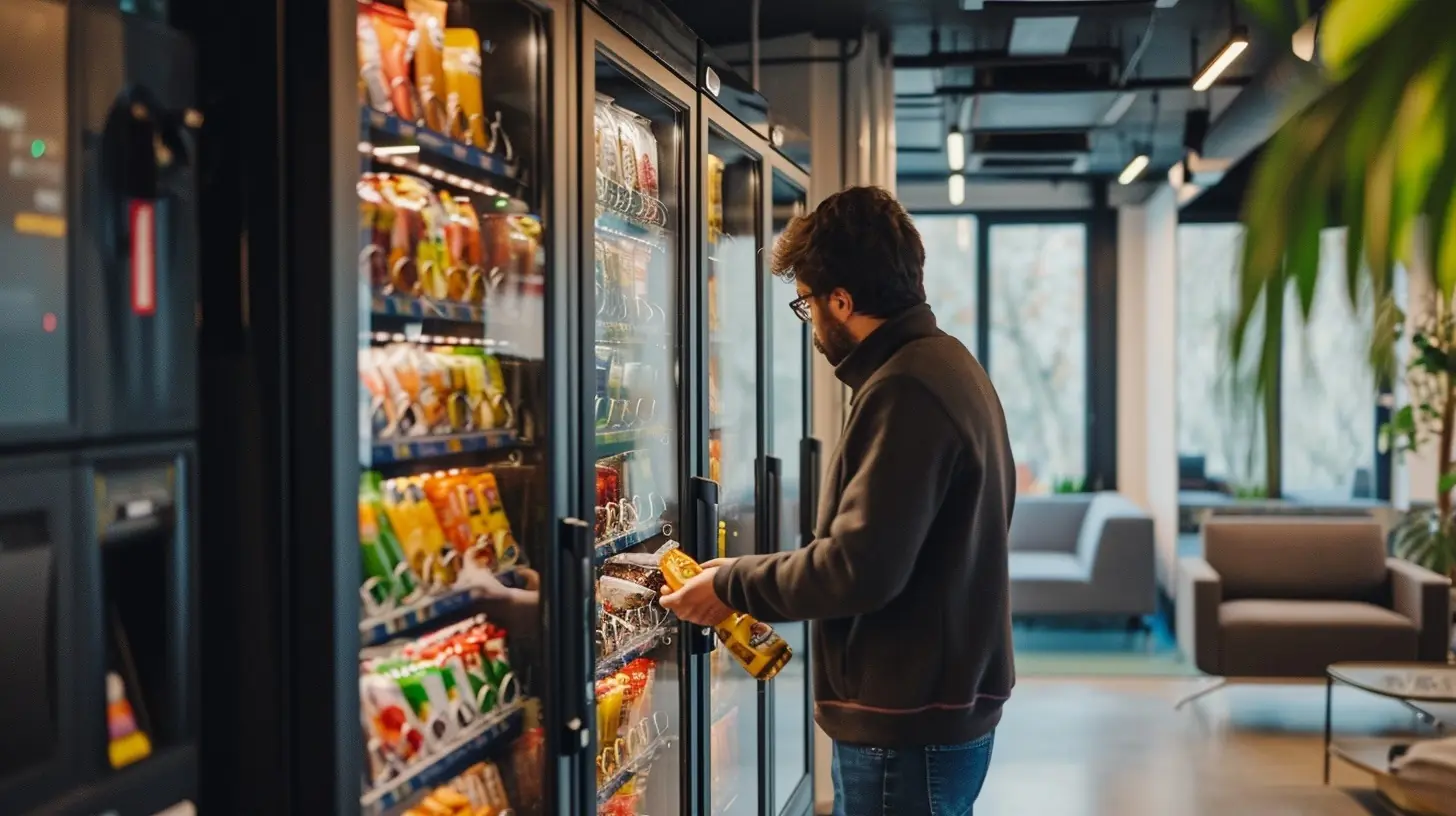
(465, 101)
(508, 552)
(429, 19)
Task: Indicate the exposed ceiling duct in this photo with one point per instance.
(1058, 6)
(1041, 36)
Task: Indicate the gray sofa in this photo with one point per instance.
(1082, 554)
(1286, 597)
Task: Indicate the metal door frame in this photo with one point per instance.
(598, 35)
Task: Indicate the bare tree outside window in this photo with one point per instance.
(1327, 392)
(1220, 431)
(950, 273)
(1038, 348)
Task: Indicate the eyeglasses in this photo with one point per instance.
(800, 306)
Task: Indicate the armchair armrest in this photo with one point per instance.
(1200, 592)
(1425, 598)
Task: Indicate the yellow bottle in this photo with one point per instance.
(753, 644)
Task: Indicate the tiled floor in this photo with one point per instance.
(1116, 747)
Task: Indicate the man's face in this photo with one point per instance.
(828, 314)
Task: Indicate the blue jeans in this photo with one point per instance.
(936, 780)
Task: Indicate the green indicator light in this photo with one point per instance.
(500, 203)
(37, 149)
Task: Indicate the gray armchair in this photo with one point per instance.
(1286, 597)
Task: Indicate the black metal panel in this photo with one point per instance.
(38, 583)
(145, 789)
(137, 340)
(1102, 347)
(657, 30)
(735, 94)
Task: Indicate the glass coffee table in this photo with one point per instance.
(1427, 689)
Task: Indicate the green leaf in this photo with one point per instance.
(1446, 482)
(1421, 133)
(1348, 27)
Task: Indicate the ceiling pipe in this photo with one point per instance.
(1159, 84)
(753, 45)
(993, 58)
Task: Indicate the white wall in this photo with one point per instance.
(1147, 461)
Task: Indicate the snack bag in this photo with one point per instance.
(433, 255)
(459, 257)
(434, 390)
(618, 595)
(457, 399)
(390, 721)
(382, 410)
(406, 233)
(465, 101)
(371, 61)
(404, 580)
(402, 385)
(376, 220)
(448, 510)
(627, 151)
(639, 568)
(607, 139)
(429, 19)
(395, 34)
(497, 525)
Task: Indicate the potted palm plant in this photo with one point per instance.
(1373, 148)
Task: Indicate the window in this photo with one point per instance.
(1327, 393)
(950, 273)
(1038, 348)
(1327, 396)
(1220, 430)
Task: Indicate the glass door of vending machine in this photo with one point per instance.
(637, 429)
(794, 455)
(732, 242)
(457, 493)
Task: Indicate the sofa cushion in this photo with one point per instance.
(1048, 523)
(1048, 566)
(1296, 638)
(1277, 558)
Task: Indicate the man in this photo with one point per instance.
(906, 577)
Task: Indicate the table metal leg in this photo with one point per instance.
(1329, 696)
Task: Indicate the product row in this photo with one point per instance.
(627, 497)
(414, 66)
(623, 272)
(423, 535)
(416, 391)
(423, 242)
(627, 163)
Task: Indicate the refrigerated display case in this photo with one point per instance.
(98, 422)
(455, 483)
(636, 188)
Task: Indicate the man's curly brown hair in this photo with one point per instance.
(860, 240)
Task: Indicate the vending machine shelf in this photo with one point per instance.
(496, 729)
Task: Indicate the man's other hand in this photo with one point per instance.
(697, 601)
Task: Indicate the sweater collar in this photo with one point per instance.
(872, 352)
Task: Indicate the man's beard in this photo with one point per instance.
(836, 343)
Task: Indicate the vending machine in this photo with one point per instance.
(98, 412)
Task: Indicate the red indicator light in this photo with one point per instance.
(48, 322)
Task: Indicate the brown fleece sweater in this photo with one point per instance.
(906, 579)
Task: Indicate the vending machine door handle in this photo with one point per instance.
(575, 588)
(809, 448)
(773, 494)
(704, 494)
